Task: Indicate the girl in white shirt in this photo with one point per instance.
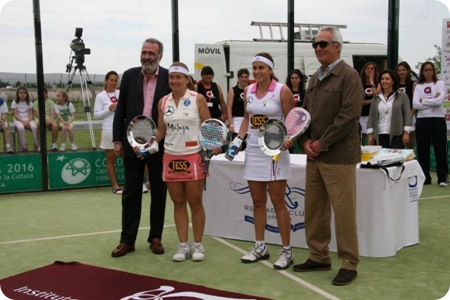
(22, 109)
(431, 128)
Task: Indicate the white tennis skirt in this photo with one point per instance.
(261, 167)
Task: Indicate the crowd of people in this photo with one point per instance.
(376, 108)
(58, 116)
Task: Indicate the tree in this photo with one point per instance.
(436, 60)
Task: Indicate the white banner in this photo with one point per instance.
(387, 212)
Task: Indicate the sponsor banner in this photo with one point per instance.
(81, 169)
(20, 173)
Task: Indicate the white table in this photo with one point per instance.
(387, 212)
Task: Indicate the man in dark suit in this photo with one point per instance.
(140, 90)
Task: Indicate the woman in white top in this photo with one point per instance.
(180, 115)
(266, 99)
(431, 128)
(104, 109)
(22, 109)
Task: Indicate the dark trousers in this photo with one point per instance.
(132, 197)
(432, 131)
(386, 142)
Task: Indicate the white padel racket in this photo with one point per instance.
(213, 133)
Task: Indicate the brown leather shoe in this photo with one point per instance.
(156, 246)
(122, 249)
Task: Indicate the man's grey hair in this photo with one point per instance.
(155, 41)
(337, 35)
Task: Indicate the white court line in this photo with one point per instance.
(285, 273)
(435, 197)
(71, 236)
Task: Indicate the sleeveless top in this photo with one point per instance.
(368, 95)
(212, 99)
(182, 124)
(266, 107)
(238, 102)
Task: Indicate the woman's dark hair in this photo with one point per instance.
(362, 74)
(407, 67)
(17, 94)
(207, 70)
(109, 75)
(421, 77)
(302, 77)
(394, 76)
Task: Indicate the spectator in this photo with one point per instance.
(431, 128)
(104, 109)
(213, 94)
(141, 89)
(369, 77)
(65, 115)
(4, 125)
(23, 118)
(332, 146)
(407, 85)
(390, 119)
(50, 122)
(235, 104)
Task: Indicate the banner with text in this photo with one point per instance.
(20, 173)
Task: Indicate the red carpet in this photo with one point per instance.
(77, 281)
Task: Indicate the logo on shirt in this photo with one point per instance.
(427, 90)
(187, 102)
(170, 110)
(368, 91)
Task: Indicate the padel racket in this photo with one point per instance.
(141, 134)
(297, 121)
(213, 133)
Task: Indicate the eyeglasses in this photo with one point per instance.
(322, 44)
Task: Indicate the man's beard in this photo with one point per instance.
(150, 68)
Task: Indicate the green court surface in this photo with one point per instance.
(83, 225)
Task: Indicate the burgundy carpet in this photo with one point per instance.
(77, 281)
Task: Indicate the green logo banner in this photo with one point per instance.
(81, 169)
(20, 173)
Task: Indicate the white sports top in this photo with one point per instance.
(182, 124)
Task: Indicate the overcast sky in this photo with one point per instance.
(115, 29)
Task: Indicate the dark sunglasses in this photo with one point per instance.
(322, 44)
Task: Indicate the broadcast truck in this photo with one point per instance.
(227, 57)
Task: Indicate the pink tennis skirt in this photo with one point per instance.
(187, 167)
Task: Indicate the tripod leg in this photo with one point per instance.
(87, 105)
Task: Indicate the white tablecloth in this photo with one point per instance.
(387, 212)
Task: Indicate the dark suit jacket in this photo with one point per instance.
(131, 103)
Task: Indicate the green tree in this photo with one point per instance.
(436, 60)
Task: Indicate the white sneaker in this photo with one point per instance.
(184, 252)
(54, 148)
(256, 254)
(144, 188)
(285, 260)
(198, 253)
(443, 183)
(74, 147)
(62, 148)
(9, 150)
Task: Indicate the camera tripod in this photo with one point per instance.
(86, 87)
